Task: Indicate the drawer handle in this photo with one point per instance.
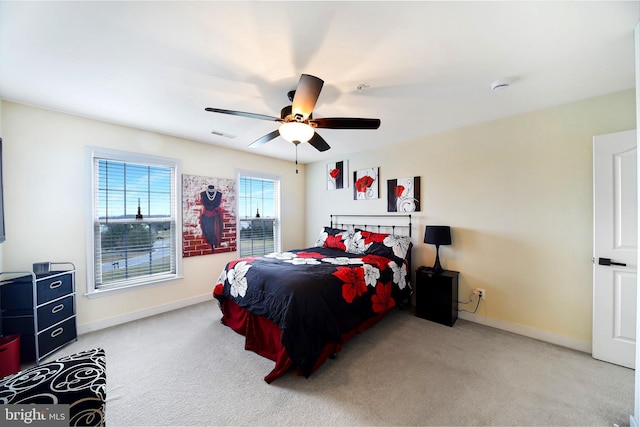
(55, 284)
(57, 332)
(57, 308)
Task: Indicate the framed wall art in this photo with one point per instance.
(208, 215)
(338, 175)
(365, 184)
(403, 194)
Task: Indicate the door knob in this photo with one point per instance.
(607, 261)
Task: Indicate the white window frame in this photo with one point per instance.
(277, 236)
(128, 157)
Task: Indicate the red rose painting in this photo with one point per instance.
(365, 184)
(403, 194)
(337, 175)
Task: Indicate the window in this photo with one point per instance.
(134, 221)
(258, 213)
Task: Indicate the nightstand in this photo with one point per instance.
(437, 295)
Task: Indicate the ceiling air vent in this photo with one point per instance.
(218, 133)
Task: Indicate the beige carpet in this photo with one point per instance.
(186, 368)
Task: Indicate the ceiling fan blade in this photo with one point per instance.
(244, 114)
(346, 123)
(268, 137)
(306, 96)
(318, 142)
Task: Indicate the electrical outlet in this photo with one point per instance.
(483, 294)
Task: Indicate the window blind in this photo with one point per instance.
(259, 215)
(135, 225)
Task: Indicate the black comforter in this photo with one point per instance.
(314, 295)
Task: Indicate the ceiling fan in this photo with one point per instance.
(296, 121)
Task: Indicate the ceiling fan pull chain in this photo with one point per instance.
(296, 159)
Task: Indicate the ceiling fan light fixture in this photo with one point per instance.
(296, 122)
(296, 131)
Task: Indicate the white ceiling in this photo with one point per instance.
(429, 65)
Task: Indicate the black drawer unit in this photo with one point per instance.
(41, 308)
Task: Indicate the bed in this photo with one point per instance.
(300, 307)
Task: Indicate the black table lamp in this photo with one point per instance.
(437, 235)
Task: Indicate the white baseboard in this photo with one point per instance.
(527, 331)
(129, 317)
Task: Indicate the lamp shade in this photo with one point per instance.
(437, 234)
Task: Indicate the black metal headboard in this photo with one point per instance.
(378, 223)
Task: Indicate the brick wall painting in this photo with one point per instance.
(208, 215)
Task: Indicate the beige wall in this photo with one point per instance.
(517, 193)
(46, 204)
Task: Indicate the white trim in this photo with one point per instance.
(550, 337)
(130, 317)
(636, 388)
(278, 206)
(257, 174)
(132, 157)
(538, 334)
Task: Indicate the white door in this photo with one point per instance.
(615, 247)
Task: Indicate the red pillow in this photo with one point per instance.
(334, 238)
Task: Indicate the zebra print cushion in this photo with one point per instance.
(78, 380)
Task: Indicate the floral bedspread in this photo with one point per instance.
(314, 295)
